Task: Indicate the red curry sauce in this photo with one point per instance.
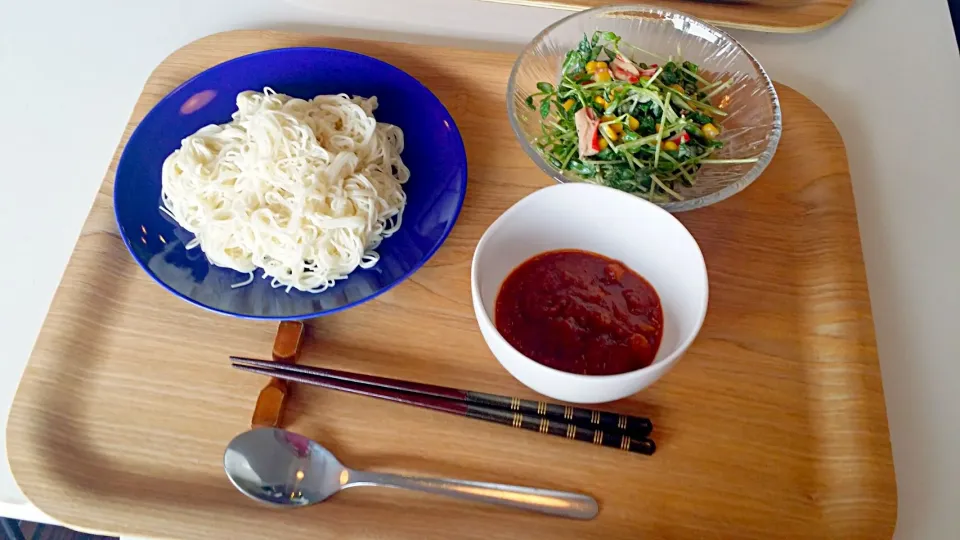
(580, 312)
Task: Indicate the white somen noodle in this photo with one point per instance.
(303, 189)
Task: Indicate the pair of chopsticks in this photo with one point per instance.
(621, 431)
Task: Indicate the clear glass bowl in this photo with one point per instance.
(751, 128)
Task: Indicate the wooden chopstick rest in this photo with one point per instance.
(273, 398)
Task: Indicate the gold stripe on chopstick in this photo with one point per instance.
(568, 412)
(597, 437)
(625, 443)
(544, 425)
(541, 407)
(595, 417)
(571, 431)
(515, 404)
(622, 422)
(517, 420)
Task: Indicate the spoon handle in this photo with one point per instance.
(557, 503)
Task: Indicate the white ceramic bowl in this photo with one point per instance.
(649, 240)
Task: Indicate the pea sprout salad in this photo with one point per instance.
(636, 127)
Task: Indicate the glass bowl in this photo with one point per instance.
(751, 128)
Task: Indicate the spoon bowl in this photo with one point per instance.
(282, 468)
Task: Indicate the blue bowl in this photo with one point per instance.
(433, 151)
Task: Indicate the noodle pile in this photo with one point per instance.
(303, 189)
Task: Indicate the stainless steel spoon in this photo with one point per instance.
(281, 468)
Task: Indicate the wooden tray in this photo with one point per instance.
(772, 426)
(782, 16)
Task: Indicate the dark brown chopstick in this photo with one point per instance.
(461, 408)
(587, 418)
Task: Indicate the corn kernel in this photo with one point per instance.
(601, 65)
(670, 145)
(632, 123)
(603, 144)
(612, 120)
(591, 67)
(610, 133)
(568, 104)
(602, 75)
(600, 101)
(710, 131)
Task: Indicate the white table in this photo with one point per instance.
(888, 73)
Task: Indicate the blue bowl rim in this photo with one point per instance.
(427, 256)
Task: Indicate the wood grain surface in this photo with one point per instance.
(781, 16)
(772, 426)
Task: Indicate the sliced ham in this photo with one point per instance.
(587, 123)
(623, 69)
